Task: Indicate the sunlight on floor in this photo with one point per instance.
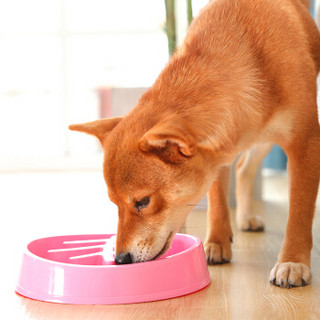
(57, 203)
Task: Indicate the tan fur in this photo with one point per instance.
(245, 75)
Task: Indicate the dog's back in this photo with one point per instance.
(256, 55)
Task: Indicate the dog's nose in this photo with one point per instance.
(123, 258)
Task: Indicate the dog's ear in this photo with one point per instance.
(171, 140)
(98, 128)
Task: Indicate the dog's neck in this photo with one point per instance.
(212, 104)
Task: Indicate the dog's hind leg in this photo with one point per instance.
(293, 266)
(246, 169)
(219, 234)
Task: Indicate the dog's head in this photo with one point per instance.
(155, 176)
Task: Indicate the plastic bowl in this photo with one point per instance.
(76, 270)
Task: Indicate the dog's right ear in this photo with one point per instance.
(99, 128)
(172, 140)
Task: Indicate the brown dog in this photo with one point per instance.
(245, 75)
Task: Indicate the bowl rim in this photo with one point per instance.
(196, 243)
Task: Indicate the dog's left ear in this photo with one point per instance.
(99, 128)
(171, 140)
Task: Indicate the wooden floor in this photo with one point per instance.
(36, 205)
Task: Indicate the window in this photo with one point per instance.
(55, 54)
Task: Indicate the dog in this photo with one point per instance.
(244, 79)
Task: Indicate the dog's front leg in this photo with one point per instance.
(219, 234)
(293, 266)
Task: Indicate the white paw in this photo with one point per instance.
(217, 253)
(252, 223)
(290, 274)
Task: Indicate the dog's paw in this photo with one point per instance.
(290, 274)
(217, 253)
(252, 223)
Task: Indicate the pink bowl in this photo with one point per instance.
(74, 269)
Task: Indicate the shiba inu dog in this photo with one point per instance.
(244, 79)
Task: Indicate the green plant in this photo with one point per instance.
(170, 26)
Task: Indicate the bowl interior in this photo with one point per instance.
(93, 249)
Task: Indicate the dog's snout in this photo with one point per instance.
(123, 258)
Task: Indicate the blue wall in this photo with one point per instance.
(276, 159)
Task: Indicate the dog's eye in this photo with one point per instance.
(142, 203)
